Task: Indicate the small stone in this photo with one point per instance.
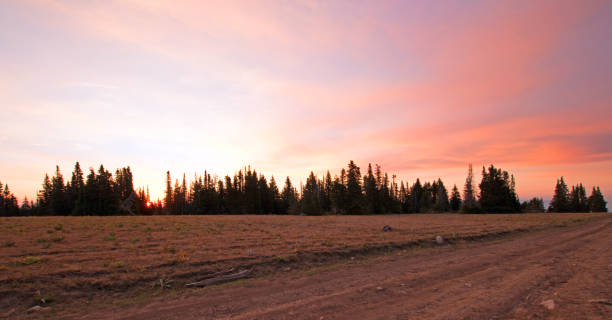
(380, 288)
(548, 304)
(352, 258)
(439, 240)
(387, 228)
(287, 269)
(467, 284)
(38, 309)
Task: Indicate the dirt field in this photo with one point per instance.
(305, 266)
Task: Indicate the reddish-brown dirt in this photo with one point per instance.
(63, 259)
(506, 278)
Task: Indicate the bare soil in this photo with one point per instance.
(491, 278)
(68, 258)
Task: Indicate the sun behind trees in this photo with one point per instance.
(247, 192)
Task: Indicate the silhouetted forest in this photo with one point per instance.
(247, 192)
(576, 200)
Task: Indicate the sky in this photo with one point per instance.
(422, 88)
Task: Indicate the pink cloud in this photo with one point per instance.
(318, 83)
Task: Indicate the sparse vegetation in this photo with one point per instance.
(29, 260)
(121, 256)
(8, 243)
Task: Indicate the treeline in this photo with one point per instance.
(247, 192)
(100, 193)
(350, 192)
(576, 200)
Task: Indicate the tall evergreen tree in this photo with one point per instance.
(338, 193)
(44, 197)
(77, 191)
(416, 197)
(386, 195)
(266, 200)
(371, 192)
(59, 200)
(8, 202)
(404, 198)
(578, 199)
(92, 202)
(168, 199)
(178, 200)
(25, 208)
(277, 205)
(496, 194)
(596, 201)
(289, 198)
(354, 196)
(311, 204)
(442, 202)
(427, 198)
(560, 201)
(108, 197)
(469, 195)
(455, 200)
(326, 194)
(251, 193)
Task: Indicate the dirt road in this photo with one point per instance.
(501, 279)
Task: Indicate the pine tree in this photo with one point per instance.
(327, 185)
(371, 192)
(25, 206)
(311, 204)
(442, 202)
(469, 198)
(496, 192)
(58, 201)
(44, 197)
(386, 195)
(168, 201)
(266, 201)
(596, 201)
(354, 196)
(338, 194)
(277, 206)
(124, 182)
(251, 194)
(416, 197)
(404, 198)
(289, 198)
(221, 205)
(92, 203)
(578, 199)
(177, 200)
(560, 201)
(107, 193)
(8, 202)
(455, 200)
(77, 191)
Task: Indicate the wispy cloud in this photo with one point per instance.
(421, 87)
